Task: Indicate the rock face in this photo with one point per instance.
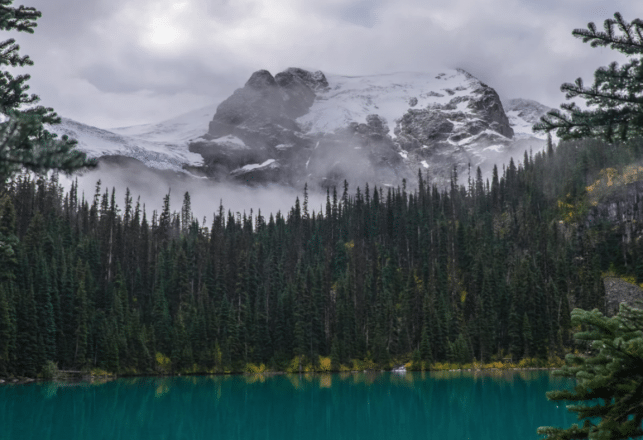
(377, 129)
(619, 291)
(624, 208)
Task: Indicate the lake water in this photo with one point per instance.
(373, 406)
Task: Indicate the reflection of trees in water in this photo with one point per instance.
(373, 406)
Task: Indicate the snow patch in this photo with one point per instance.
(254, 166)
(231, 140)
(96, 142)
(352, 98)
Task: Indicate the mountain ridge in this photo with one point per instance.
(301, 126)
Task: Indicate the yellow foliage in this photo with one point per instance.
(163, 363)
(445, 366)
(562, 205)
(100, 372)
(610, 178)
(350, 245)
(627, 278)
(324, 364)
(498, 365)
(293, 366)
(255, 369)
(528, 363)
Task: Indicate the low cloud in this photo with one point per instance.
(206, 196)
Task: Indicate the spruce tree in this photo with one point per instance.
(609, 392)
(24, 141)
(615, 100)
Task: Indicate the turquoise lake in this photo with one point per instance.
(373, 406)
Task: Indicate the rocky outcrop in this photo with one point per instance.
(257, 124)
(449, 122)
(623, 208)
(456, 133)
(619, 291)
(423, 127)
(486, 103)
(268, 103)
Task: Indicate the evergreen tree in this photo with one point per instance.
(7, 333)
(617, 92)
(609, 394)
(24, 142)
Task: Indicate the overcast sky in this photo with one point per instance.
(114, 63)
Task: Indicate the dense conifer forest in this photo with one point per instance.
(482, 269)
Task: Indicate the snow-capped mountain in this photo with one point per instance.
(523, 114)
(300, 126)
(308, 126)
(162, 146)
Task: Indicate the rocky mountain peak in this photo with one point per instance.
(315, 80)
(488, 102)
(261, 80)
(308, 125)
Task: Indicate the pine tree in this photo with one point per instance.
(8, 240)
(81, 317)
(7, 333)
(24, 142)
(608, 396)
(617, 92)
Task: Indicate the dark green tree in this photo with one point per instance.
(609, 393)
(615, 100)
(24, 142)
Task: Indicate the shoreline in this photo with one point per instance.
(107, 377)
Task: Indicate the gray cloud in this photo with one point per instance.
(122, 62)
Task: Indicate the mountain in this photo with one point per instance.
(523, 114)
(300, 126)
(307, 126)
(162, 146)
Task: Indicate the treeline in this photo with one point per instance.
(478, 270)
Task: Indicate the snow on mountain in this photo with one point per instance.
(162, 146)
(182, 128)
(352, 98)
(301, 126)
(375, 128)
(523, 114)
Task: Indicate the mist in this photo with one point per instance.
(206, 196)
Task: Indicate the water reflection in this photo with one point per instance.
(448, 405)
